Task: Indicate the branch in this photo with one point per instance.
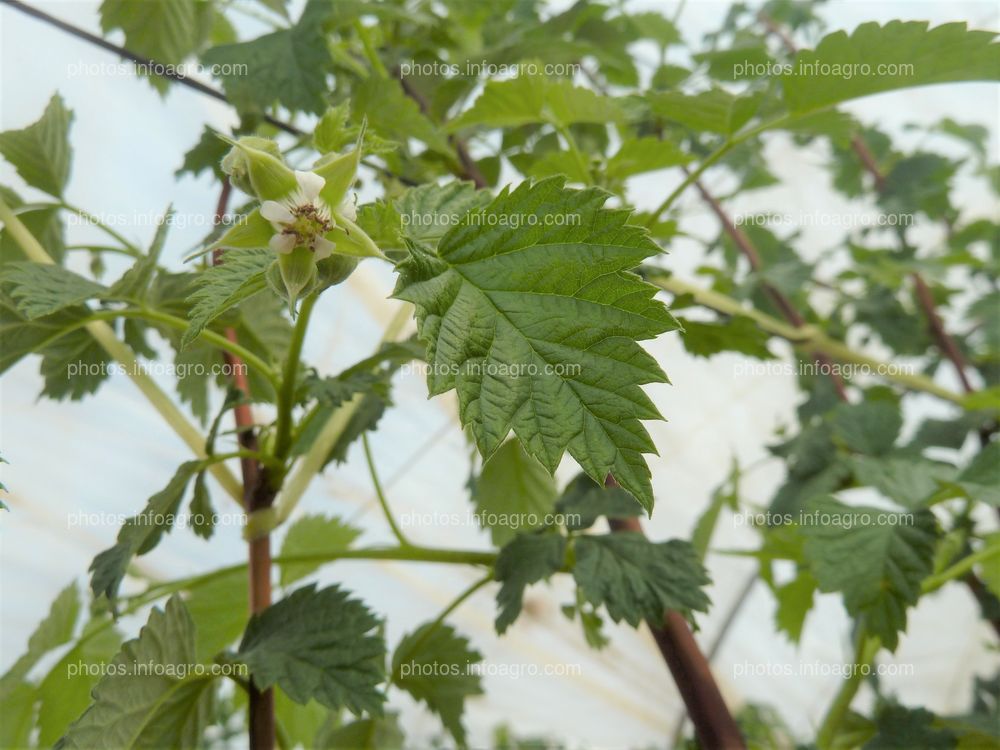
(714, 725)
(105, 336)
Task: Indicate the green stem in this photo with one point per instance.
(439, 620)
(959, 569)
(574, 149)
(864, 653)
(370, 52)
(95, 221)
(105, 336)
(216, 339)
(408, 553)
(711, 159)
(328, 436)
(396, 531)
(805, 337)
(286, 394)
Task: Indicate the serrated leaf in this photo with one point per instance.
(435, 665)
(141, 533)
(715, 110)
(638, 155)
(41, 289)
(64, 693)
(636, 579)
(536, 99)
(288, 66)
(53, 631)
(169, 707)
(736, 334)
(536, 330)
(584, 501)
(41, 152)
(526, 560)
(902, 728)
(427, 212)
(383, 733)
(313, 535)
(394, 115)
(869, 61)
(513, 493)
(876, 559)
(222, 286)
(220, 610)
(795, 599)
(319, 645)
(907, 480)
(207, 153)
(870, 428)
(981, 478)
(167, 32)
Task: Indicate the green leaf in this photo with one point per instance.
(41, 152)
(135, 282)
(394, 115)
(902, 728)
(434, 664)
(870, 428)
(318, 644)
(900, 54)
(19, 705)
(141, 533)
(795, 599)
(526, 560)
(715, 110)
(536, 99)
(734, 335)
(980, 480)
(55, 630)
(907, 480)
(513, 493)
(207, 153)
(536, 329)
(44, 224)
(638, 155)
(220, 610)
(427, 212)
(383, 733)
(584, 501)
(73, 363)
(167, 707)
(636, 579)
(167, 32)
(876, 558)
(220, 287)
(64, 693)
(288, 66)
(726, 495)
(42, 289)
(313, 535)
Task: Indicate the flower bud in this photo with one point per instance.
(254, 165)
(334, 269)
(293, 276)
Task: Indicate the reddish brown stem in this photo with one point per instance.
(469, 169)
(256, 494)
(944, 341)
(781, 302)
(714, 725)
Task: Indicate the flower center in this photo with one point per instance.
(308, 224)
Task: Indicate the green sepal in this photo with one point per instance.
(254, 165)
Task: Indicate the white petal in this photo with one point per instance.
(322, 248)
(348, 210)
(276, 212)
(310, 184)
(282, 243)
